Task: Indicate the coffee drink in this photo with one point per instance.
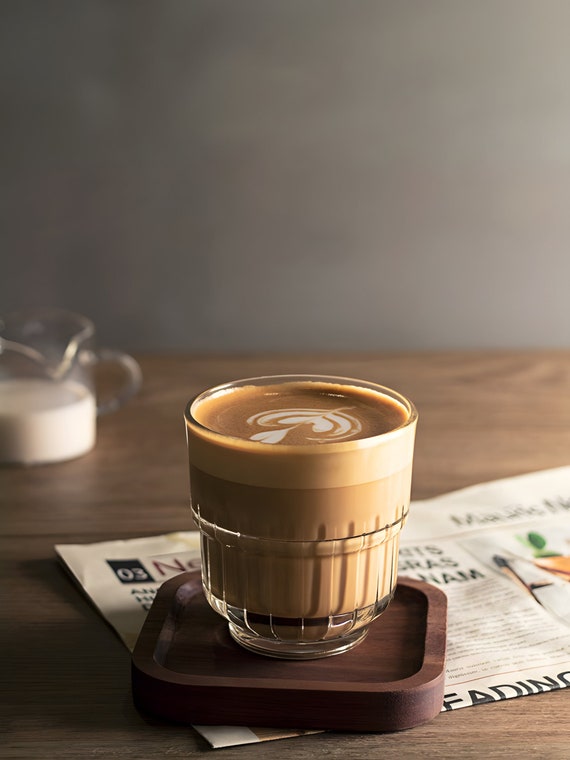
(300, 486)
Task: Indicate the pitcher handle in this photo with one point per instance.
(131, 384)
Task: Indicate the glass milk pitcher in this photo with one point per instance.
(48, 403)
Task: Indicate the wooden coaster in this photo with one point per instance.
(187, 668)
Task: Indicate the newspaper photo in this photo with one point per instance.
(500, 551)
(501, 554)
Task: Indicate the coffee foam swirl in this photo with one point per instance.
(318, 425)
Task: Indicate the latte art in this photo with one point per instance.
(301, 413)
(334, 424)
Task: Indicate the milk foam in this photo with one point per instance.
(44, 421)
(320, 426)
(317, 433)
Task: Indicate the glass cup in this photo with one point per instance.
(48, 404)
(299, 540)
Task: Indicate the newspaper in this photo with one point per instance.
(500, 551)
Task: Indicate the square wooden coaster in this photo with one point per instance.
(187, 668)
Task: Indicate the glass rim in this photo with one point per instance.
(261, 380)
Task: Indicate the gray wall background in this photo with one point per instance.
(299, 175)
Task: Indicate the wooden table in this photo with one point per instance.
(66, 676)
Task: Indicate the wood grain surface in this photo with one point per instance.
(66, 676)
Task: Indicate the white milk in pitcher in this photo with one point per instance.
(45, 421)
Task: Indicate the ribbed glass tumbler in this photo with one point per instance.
(300, 486)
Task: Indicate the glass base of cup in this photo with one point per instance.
(298, 638)
(296, 650)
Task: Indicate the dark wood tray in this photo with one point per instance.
(187, 668)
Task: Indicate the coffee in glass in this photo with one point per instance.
(300, 486)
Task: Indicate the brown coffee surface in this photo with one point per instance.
(300, 413)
